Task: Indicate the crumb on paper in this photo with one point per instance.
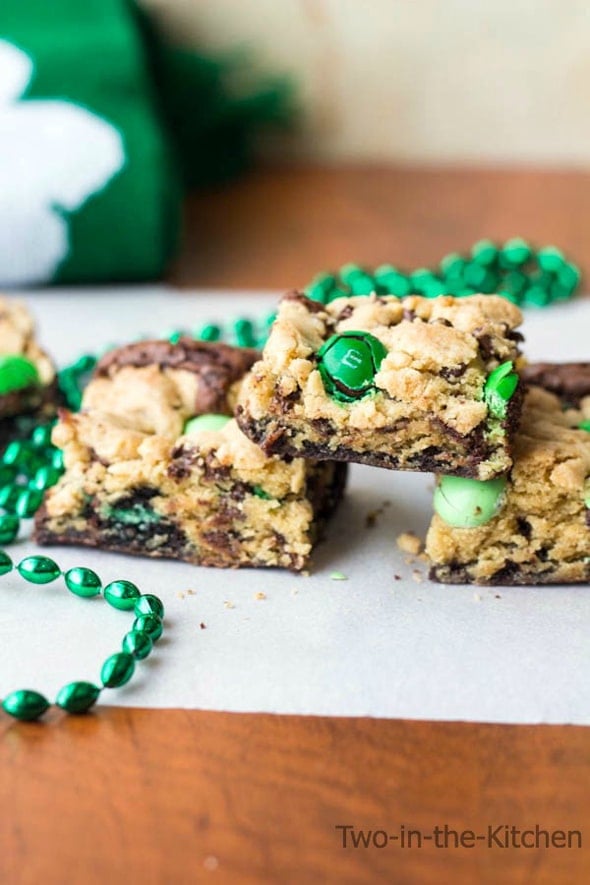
(192, 592)
(180, 594)
(294, 591)
(409, 542)
(477, 597)
(228, 604)
(203, 625)
(373, 515)
(260, 595)
(417, 576)
(338, 576)
(397, 577)
(497, 596)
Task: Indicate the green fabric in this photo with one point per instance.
(90, 52)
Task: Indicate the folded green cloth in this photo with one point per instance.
(101, 125)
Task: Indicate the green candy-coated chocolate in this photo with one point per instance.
(348, 364)
(515, 252)
(77, 697)
(585, 425)
(38, 569)
(149, 624)
(550, 259)
(484, 252)
(6, 564)
(209, 421)
(209, 332)
(16, 373)
(244, 333)
(9, 526)
(148, 604)
(137, 643)
(121, 594)
(117, 670)
(499, 389)
(82, 581)
(25, 704)
(468, 503)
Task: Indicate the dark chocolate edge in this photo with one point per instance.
(508, 576)
(569, 381)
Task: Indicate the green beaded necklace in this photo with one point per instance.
(77, 697)
(28, 467)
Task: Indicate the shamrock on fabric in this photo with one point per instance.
(53, 156)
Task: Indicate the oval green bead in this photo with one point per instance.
(6, 564)
(117, 670)
(57, 459)
(17, 453)
(25, 704)
(9, 497)
(149, 624)
(41, 436)
(148, 604)
(468, 503)
(28, 502)
(9, 526)
(82, 581)
(77, 697)
(121, 594)
(137, 643)
(38, 569)
(45, 477)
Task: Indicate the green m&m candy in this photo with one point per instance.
(468, 503)
(348, 364)
(209, 421)
(16, 373)
(499, 389)
(584, 425)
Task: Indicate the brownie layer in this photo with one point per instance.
(569, 381)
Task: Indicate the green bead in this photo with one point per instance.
(41, 436)
(349, 271)
(209, 421)
(149, 624)
(138, 644)
(17, 453)
(8, 473)
(16, 373)
(550, 259)
(452, 265)
(117, 670)
(121, 594)
(174, 336)
(391, 281)
(514, 281)
(209, 332)
(515, 252)
(44, 478)
(77, 697)
(244, 333)
(28, 503)
(9, 496)
(484, 252)
(499, 389)
(38, 569)
(82, 581)
(584, 425)
(348, 364)
(536, 296)
(9, 526)
(57, 459)
(421, 279)
(569, 277)
(25, 704)
(362, 284)
(468, 503)
(320, 287)
(148, 604)
(6, 564)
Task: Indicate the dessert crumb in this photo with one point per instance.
(497, 596)
(338, 576)
(191, 592)
(228, 604)
(409, 542)
(203, 625)
(373, 515)
(180, 595)
(417, 576)
(260, 595)
(477, 597)
(397, 577)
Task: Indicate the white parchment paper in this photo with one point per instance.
(373, 644)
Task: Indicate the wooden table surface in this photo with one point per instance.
(140, 796)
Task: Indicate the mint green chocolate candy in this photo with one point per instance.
(16, 373)
(209, 421)
(499, 389)
(348, 364)
(468, 503)
(585, 425)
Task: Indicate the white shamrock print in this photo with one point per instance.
(53, 156)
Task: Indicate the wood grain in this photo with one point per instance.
(136, 796)
(276, 230)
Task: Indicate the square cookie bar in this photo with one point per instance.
(532, 527)
(410, 384)
(28, 384)
(156, 466)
